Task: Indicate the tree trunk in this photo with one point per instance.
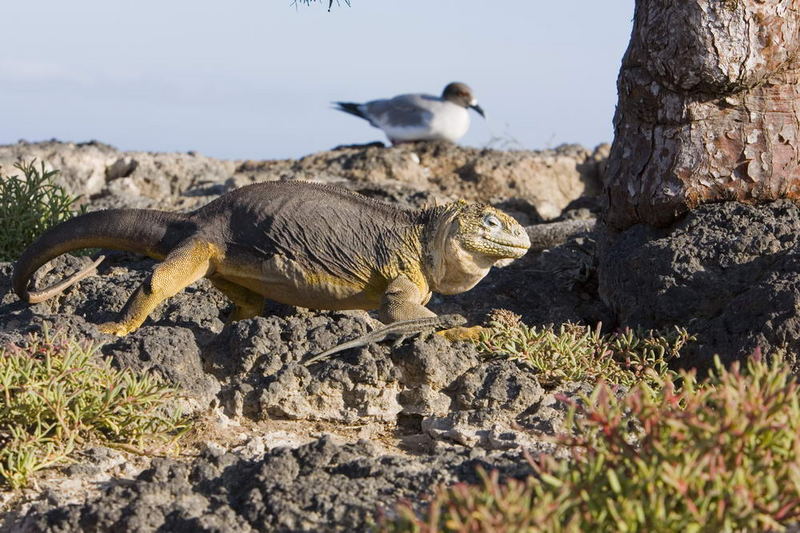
(708, 108)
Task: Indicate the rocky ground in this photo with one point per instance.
(289, 448)
(728, 272)
(286, 447)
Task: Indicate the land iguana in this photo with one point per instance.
(294, 242)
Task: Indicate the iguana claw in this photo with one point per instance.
(461, 333)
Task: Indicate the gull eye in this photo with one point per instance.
(492, 222)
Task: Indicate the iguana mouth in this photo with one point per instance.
(510, 244)
(514, 248)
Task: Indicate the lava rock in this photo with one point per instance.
(320, 486)
(728, 272)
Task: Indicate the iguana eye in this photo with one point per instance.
(492, 222)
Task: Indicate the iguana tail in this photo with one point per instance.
(148, 232)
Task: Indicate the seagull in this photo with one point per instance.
(420, 117)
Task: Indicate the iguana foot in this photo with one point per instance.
(460, 333)
(113, 328)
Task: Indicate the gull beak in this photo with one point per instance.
(478, 109)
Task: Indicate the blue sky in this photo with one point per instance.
(254, 79)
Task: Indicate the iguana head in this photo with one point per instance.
(484, 230)
(466, 240)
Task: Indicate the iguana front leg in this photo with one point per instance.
(399, 302)
(183, 266)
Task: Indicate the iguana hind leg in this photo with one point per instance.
(183, 266)
(247, 303)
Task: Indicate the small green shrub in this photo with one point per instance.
(54, 396)
(722, 455)
(30, 205)
(580, 353)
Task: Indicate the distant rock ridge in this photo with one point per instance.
(543, 182)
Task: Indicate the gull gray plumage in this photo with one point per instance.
(420, 117)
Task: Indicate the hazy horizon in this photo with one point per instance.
(255, 80)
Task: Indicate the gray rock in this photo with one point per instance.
(170, 353)
(487, 400)
(545, 181)
(501, 385)
(728, 272)
(472, 430)
(257, 361)
(317, 487)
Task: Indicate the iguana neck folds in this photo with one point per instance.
(450, 268)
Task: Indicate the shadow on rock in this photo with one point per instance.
(728, 272)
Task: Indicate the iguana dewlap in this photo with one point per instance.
(293, 242)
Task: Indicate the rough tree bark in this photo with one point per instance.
(708, 108)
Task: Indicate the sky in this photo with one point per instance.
(249, 79)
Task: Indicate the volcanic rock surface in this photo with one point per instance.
(290, 447)
(329, 448)
(728, 272)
